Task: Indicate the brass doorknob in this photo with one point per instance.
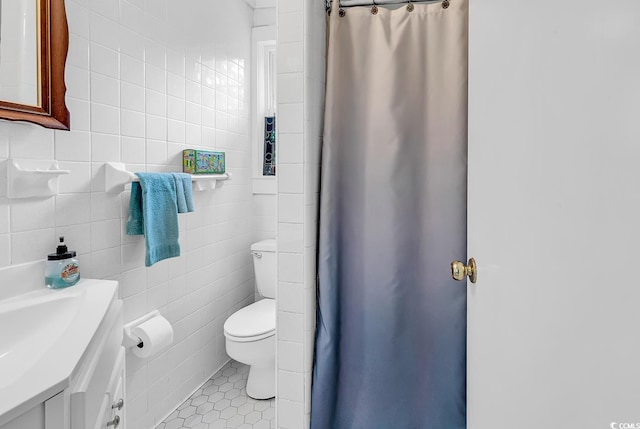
(459, 270)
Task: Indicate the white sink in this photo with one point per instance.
(43, 335)
(30, 325)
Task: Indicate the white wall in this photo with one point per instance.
(263, 16)
(264, 219)
(301, 65)
(146, 80)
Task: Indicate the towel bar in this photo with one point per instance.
(116, 176)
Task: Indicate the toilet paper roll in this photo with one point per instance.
(156, 334)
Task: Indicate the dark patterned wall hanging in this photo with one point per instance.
(269, 160)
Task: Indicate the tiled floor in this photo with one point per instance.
(222, 402)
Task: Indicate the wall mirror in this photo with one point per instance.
(34, 40)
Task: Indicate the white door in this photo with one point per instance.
(554, 214)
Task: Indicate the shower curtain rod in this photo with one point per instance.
(352, 3)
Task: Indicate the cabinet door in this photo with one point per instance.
(105, 412)
(32, 419)
(116, 391)
(54, 412)
(96, 373)
(112, 409)
(117, 398)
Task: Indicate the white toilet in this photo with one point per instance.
(251, 331)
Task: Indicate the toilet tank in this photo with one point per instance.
(264, 264)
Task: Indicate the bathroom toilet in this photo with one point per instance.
(250, 332)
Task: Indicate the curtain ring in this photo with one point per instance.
(410, 6)
(341, 11)
(374, 8)
(445, 4)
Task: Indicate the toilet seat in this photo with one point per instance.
(253, 322)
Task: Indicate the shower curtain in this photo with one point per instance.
(391, 323)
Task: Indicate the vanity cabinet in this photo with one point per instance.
(95, 397)
(92, 392)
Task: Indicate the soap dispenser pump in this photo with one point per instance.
(62, 269)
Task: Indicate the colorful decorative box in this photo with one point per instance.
(202, 162)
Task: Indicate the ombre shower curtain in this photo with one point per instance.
(390, 347)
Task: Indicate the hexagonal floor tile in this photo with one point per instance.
(262, 405)
(269, 414)
(231, 394)
(199, 400)
(262, 424)
(229, 412)
(204, 408)
(230, 371)
(235, 377)
(210, 390)
(215, 397)
(192, 421)
(218, 381)
(218, 424)
(187, 412)
(253, 417)
(226, 387)
(246, 409)
(222, 402)
(235, 421)
(240, 400)
(211, 416)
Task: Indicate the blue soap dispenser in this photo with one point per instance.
(62, 269)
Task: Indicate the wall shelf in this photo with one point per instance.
(116, 177)
(33, 178)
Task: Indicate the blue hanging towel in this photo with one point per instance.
(184, 192)
(135, 223)
(153, 211)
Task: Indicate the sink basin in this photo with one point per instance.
(30, 325)
(43, 335)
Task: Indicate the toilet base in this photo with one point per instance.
(261, 383)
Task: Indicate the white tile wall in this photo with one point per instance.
(301, 49)
(145, 80)
(264, 211)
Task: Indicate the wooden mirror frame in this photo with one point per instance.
(54, 44)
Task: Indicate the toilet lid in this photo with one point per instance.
(253, 320)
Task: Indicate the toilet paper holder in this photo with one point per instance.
(131, 340)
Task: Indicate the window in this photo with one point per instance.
(264, 145)
(269, 148)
